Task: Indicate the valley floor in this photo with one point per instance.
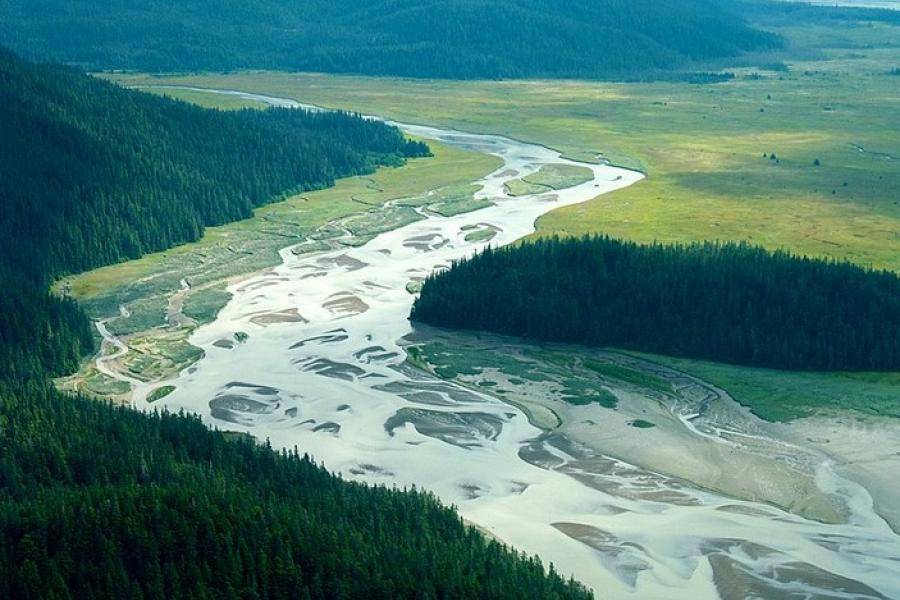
(804, 156)
(652, 436)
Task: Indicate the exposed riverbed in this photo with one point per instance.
(310, 354)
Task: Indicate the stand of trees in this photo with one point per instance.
(92, 173)
(458, 39)
(103, 502)
(725, 302)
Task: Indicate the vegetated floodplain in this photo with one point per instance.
(776, 395)
(707, 149)
(549, 178)
(147, 285)
(252, 244)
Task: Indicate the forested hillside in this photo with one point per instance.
(100, 502)
(92, 174)
(421, 38)
(726, 302)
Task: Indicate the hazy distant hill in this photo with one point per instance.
(421, 38)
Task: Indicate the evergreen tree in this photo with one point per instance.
(726, 302)
(463, 39)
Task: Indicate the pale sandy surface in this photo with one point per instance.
(865, 450)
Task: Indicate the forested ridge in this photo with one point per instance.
(103, 502)
(421, 38)
(726, 302)
(92, 174)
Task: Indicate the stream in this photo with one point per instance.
(310, 354)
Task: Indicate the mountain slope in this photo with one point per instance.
(92, 173)
(98, 502)
(420, 38)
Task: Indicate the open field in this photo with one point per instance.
(788, 395)
(702, 146)
(549, 178)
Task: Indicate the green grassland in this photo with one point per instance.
(203, 305)
(702, 146)
(160, 393)
(787, 395)
(549, 178)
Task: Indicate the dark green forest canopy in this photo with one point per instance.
(725, 302)
(98, 502)
(92, 174)
(421, 38)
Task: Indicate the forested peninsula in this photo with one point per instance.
(104, 502)
(725, 302)
(457, 39)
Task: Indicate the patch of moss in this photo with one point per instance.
(160, 393)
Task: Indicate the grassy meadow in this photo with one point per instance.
(831, 122)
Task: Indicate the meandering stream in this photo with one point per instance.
(322, 367)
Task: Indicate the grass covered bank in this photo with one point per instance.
(702, 146)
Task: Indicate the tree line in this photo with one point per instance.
(103, 502)
(92, 174)
(457, 39)
(725, 302)
(98, 501)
